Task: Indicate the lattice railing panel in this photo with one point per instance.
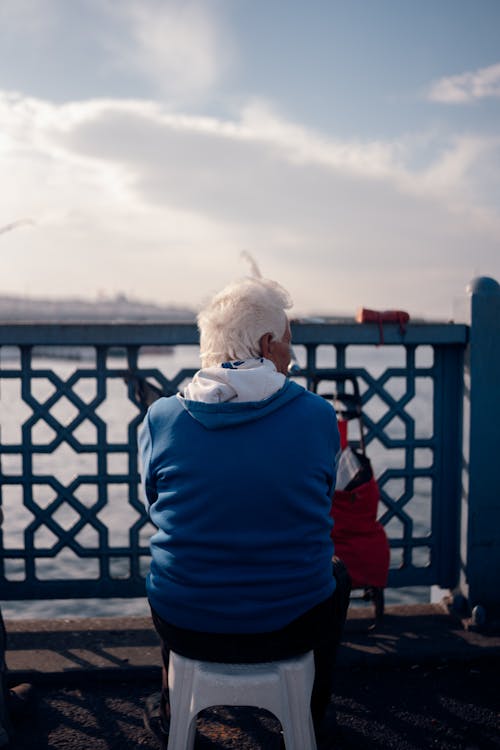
(74, 521)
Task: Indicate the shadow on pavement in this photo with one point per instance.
(450, 707)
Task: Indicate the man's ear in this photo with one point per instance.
(265, 345)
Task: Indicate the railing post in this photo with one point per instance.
(481, 499)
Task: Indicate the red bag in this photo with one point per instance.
(359, 539)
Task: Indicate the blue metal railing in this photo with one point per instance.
(74, 523)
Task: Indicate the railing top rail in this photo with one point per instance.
(169, 334)
(354, 333)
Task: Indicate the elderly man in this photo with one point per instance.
(239, 473)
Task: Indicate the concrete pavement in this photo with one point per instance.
(419, 680)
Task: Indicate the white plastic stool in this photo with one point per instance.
(282, 687)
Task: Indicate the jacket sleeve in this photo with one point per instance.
(145, 455)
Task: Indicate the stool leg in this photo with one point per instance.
(296, 718)
(182, 730)
(303, 729)
(182, 735)
(298, 731)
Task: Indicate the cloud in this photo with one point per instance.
(177, 46)
(29, 17)
(140, 199)
(260, 166)
(467, 87)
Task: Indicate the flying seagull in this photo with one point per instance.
(14, 225)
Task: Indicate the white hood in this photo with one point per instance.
(241, 381)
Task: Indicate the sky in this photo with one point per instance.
(352, 147)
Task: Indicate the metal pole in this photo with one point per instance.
(481, 499)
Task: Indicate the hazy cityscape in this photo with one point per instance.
(103, 309)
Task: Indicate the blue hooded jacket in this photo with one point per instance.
(240, 494)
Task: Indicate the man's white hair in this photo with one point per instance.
(235, 320)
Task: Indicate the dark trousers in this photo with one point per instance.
(319, 629)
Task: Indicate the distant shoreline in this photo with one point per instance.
(29, 309)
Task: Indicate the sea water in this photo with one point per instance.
(118, 411)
